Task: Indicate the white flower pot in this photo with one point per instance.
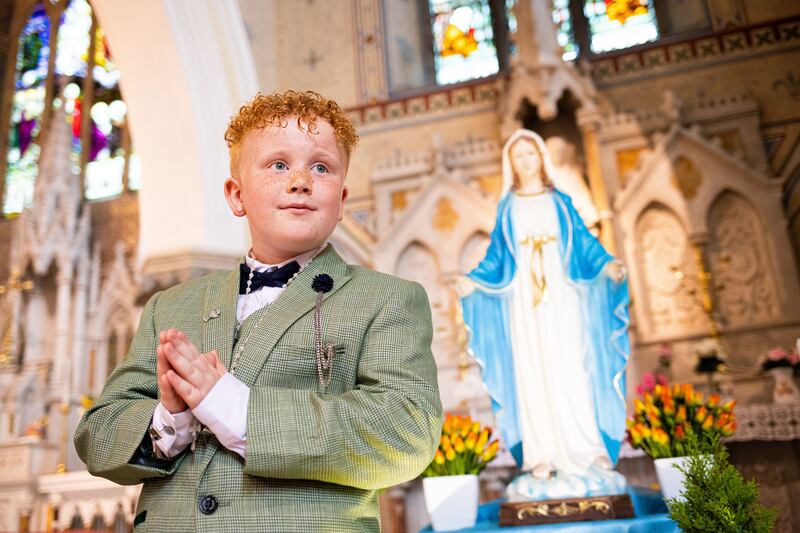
(669, 477)
(452, 501)
(785, 390)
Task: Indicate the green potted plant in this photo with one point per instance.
(715, 497)
(450, 482)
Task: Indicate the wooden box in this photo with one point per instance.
(566, 510)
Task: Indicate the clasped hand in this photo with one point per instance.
(185, 376)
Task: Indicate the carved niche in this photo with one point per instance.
(745, 288)
(418, 263)
(666, 259)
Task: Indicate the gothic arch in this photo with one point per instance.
(739, 258)
(473, 250)
(666, 276)
(179, 138)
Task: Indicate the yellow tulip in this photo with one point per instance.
(444, 442)
(669, 405)
(482, 440)
(635, 436)
(448, 424)
(660, 436)
(638, 406)
(713, 401)
(490, 452)
(729, 428)
(472, 439)
(439, 458)
(700, 415)
(450, 454)
(458, 443)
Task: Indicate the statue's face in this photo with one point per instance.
(526, 162)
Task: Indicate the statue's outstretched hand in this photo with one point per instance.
(464, 286)
(615, 269)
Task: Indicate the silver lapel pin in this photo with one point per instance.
(213, 314)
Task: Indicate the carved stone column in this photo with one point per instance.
(34, 312)
(589, 123)
(185, 222)
(61, 355)
(79, 320)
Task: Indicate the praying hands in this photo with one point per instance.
(185, 376)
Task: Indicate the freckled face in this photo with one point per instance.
(290, 184)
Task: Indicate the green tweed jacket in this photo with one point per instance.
(315, 459)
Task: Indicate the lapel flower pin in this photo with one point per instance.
(322, 283)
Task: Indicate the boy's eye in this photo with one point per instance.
(280, 165)
(319, 167)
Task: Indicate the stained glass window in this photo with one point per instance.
(72, 54)
(511, 20)
(565, 33)
(615, 24)
(463, 40)
(27, 109)
(106, 166)
(87, 87)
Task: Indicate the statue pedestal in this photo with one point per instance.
(566, 510)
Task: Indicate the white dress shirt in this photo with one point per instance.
(224, 409)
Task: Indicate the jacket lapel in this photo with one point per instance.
(219, 315)
(294, 302)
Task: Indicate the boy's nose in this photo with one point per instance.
(299, 181)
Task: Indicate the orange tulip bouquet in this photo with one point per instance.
(666, 416)
(463, 449)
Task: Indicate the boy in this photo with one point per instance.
(282, 395)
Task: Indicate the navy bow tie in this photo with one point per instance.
(277, 277)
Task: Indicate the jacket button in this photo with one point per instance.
(208, 504)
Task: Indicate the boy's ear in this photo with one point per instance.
(233, 194)
(345, 192)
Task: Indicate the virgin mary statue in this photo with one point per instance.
(547, 315)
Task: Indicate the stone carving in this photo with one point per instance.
(569, 179)
(418, 263)
(446, 217)
(745, 289)
(687, 178)
(667, 263)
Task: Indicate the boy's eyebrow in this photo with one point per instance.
(318, 153)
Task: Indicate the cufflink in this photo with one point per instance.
(156, 434)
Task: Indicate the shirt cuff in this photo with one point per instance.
(224, 411)
(176, 431)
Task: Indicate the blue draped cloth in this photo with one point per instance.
(604, 315)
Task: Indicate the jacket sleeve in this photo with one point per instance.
(383, 432)
(109, 435)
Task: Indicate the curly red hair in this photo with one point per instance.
(273, 109)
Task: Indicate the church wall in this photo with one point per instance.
(378, 144)
(761, 10)
(772, 79)
(312, 47)
(763, 76)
